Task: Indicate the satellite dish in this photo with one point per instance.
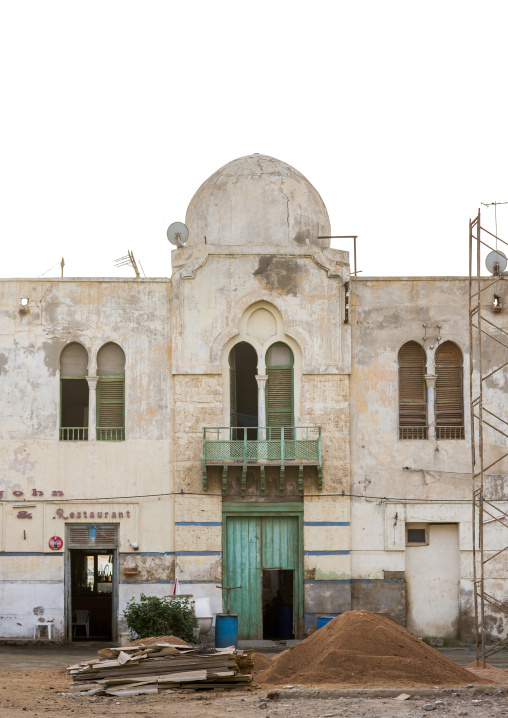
(496, 262)
(178, 234)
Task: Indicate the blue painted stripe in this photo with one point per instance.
(148, 582)
(356, 580)
(198, 553)
(198, 523)
(30, 553)
(378, 580)
(25, 581)
(165, 581)
(147, 553)
(333, 580)
(326, 523)
(326, 553)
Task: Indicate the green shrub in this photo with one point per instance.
(154, 616)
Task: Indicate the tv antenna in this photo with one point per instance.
(129, 261)
(494, 204)
(178, 234)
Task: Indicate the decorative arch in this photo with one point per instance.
(449, 401)
(261, 325)
(237, 327)
(74, 360)
(412, 391)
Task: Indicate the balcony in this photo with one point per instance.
(110, 433)
(73, 433)
(262, 446)
(80, 433)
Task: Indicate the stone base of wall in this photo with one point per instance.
(385, 597)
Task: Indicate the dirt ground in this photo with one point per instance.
(37, 693)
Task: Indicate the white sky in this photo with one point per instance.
(113, 113)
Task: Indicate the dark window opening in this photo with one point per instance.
(416, 536)
(91, 594)
(243, 362)
(74, 410)
(278, 587)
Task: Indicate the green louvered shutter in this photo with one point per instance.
(110, 408)
(449, 397)
(412, 392)
(279, 390)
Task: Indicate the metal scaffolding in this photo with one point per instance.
(484, 334)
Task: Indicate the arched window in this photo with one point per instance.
(449, 394)
(73, 393)
(243, 394)
(111, 393)
(412, 392)
(279, 390)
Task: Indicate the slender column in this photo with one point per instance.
(430, 380)
(92, 407)
(261, 380)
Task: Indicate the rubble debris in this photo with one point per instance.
(160, 668)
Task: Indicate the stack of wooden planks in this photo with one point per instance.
(160, 668)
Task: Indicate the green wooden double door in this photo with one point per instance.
(255, 545)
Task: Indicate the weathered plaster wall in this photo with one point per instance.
(47, 483)
(413, 480)
(213, 286)
(263, 294)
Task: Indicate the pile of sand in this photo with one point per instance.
(360, 648)
(261, 662)
(489, 673)
(159, 639)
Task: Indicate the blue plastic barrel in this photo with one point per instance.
(226, 630)
(323, 620)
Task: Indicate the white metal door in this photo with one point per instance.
(433, 575)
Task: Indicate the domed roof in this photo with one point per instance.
(257, 200)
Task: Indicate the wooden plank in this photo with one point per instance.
(141, 691)
(183, 677)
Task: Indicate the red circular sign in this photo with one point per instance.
(56, 543)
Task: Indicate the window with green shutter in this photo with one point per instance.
(412, 392)
(449, 392)
(279, 390)
(111, 393)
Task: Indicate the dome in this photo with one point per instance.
(257, 200)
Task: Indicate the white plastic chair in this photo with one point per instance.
(81, 617)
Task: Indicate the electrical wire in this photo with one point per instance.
(396, 499)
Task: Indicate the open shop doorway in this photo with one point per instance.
(278, 602)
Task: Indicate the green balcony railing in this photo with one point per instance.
(279, 446)
(73, 433)
(110, 433)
